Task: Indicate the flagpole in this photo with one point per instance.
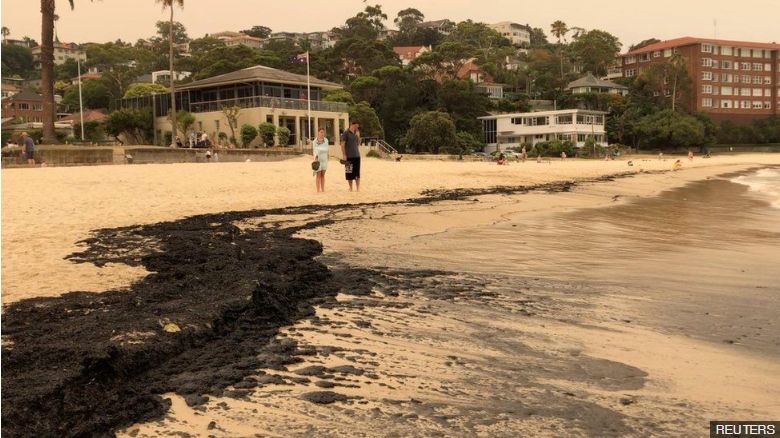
(81, 102)
(308, 97)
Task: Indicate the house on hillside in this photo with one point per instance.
(62, 52)
(442, 26)
(483, 81)
(517, 34)
(591, 84)
(408, 54)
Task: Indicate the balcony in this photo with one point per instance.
(268, 102)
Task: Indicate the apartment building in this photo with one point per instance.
(516, 33)
(23, 107)
(732, 80)
(516, 129)
(62, 52)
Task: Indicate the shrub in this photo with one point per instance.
(373, 154)
(284, 136)
(267, 131)
(93, 131)
(167, 138)
(248, 133)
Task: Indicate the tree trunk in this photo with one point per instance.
(47, 70)
(173, 91)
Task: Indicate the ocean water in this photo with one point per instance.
(763, 182)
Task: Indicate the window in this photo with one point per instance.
(564, 119)
(24, 106)
(580, 137)
(630, 59)
(725, 104)
(726, 77)
(726, 64)
(489, 126)
(715, 90)
(726, 91)
(745, 92)
(757, 105)
(767, 105)
(767, 80)
(715, 63)
(745, 104)
(757, 53)
(706, 102)
(706, 89)
(758, 92)
(745, 79)
(643, 57)
(706, 62)
(757, 80)
(706, 48)
(657, 54)
(757, 66)
(716, 77)
(725, 51)
(767, 92)
(516, 120)
(630, 73)
(706, 75)
(667, 53)
(767, 67)
(37, 107)
(745, 66)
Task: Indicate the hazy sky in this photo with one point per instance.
(631, 21)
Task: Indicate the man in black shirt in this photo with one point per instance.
(351, 154)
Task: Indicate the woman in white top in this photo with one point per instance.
(321, 154)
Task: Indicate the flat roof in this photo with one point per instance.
(686, 41)
(542, 113)
(258, 73)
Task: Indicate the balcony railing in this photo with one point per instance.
(268, 102)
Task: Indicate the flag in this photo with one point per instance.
(303, 57)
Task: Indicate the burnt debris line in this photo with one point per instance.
(85, 363)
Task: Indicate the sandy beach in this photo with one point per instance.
(461, 298)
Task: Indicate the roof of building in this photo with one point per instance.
(89, 116)
(685, 41)
(591, 81)
(243, 37)
(259, 73)
(408, 52)
(434, 23)
(10, 87)
(27, 95)
(541, 113)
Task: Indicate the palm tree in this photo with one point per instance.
(47, 69)
(6, 32)
(559, 29)
(170, 4)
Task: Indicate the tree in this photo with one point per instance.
(6, 31)
(170, 4)
(184, 120)
(231, 113)
(430, 131)
(668, 128)
(408, 21)
(482, 39)
(203, 45)
(66, 71)
(47, 68)
(559, 30)
(643, 43)
(461, 101)
(144, 89)
(179, 32)
(339, 95)
(538, 38)
(16, 60)
(595, 51)
(467, 143)
(267, 132)
(366, 88)
(365, 25)
(248, 133)
(369, 121)
(258, 31)
(94, 92)
(135, 125)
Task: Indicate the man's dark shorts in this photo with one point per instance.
(29, 152)
(355, 163)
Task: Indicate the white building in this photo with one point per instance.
(516, 33)
(243, 40)
(164, 76)
(591, 84)
(62, 52)
(515, 129)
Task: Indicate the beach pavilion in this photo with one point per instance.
(264, 94)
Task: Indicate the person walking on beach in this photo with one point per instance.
(563, 156)
(320, 148)
(690, 155)
(350, 152)
(29, 148)
(523, 154)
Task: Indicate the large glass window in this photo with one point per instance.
(489, 126)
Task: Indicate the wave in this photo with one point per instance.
(765, 182)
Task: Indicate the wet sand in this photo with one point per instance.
(495, 315)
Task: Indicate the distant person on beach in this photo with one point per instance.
(193, 139)
(677, 165)
(320, 150)
(660, 155)
(29, 148)
(538, 158)
(563, 156)
(523, 154)
(350, 152)
(501, 160)
(690, 155)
